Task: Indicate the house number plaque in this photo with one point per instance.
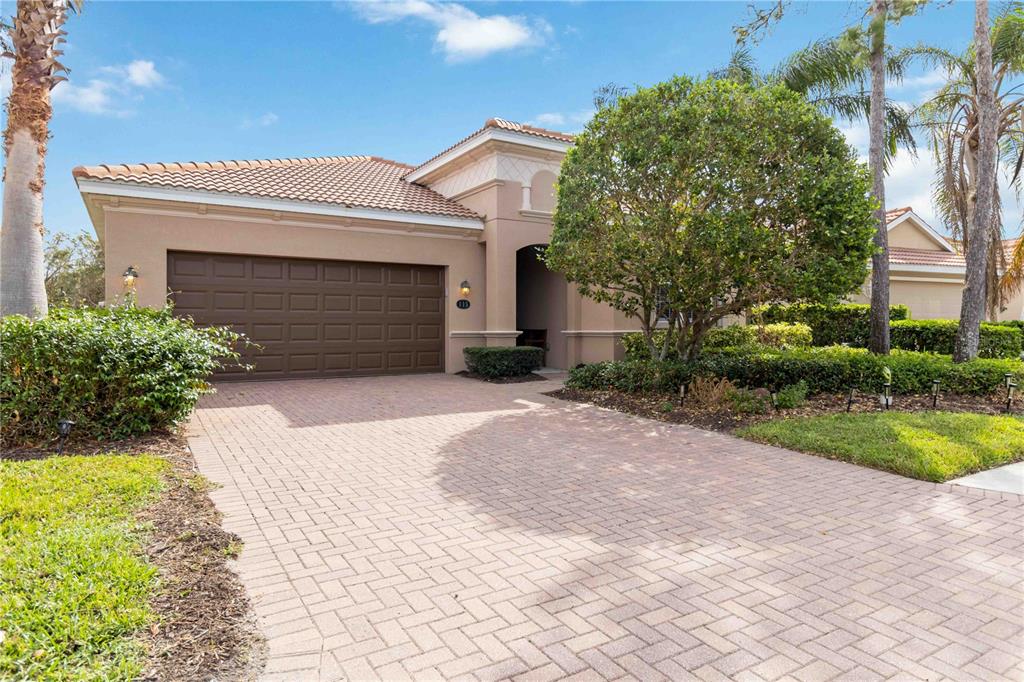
(462, 303)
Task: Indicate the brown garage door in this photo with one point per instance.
(316, 317)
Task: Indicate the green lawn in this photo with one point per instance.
(931, 446)
(74, 586)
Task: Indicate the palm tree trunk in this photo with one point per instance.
(35, 36)
(879, 340)
(972, 308)
(22, 270)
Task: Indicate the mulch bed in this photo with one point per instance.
(502, 380)
(205, 629)
(654, 406)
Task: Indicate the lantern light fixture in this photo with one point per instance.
(464, 288)
(130, 275)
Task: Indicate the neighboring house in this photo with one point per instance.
(926, 271)
(354, 265)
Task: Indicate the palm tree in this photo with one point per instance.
(32, 40)
(979, 207)
(952, 119)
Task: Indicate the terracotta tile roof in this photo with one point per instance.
(899, 255)
(349, 181)
(502, 124)
(894, 213)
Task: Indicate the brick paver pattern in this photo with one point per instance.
(436, 527)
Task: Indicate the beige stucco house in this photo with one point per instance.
(926, 271)
(341, 266)
(355, 265)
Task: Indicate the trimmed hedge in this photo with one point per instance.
(830, 369)
(830, 324)
(503, 361)
(938, 336)
(780, 335)
(116, 372)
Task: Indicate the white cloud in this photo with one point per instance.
(143, 73)
(111, 94)
(566, 122)
(462, 34)
(95, 97)
(267, 119)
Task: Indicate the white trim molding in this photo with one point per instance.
(504, 334)
(136, 191)
(488, 135)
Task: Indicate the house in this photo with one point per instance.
(926, 270)
(352, 265)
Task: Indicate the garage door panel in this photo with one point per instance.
(316, 318)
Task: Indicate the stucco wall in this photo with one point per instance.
(140, 237)
(909, 236)
(931, 297)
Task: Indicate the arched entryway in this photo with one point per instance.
(540, 306)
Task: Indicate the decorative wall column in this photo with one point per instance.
(526, 198)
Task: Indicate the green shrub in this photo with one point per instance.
(503, 361)
(115, 372)
(830, 369)
(830, 325)
(938, 336)
(631, 376)
(791, 396)
(781, 335)
(748, 401)
(1016, 324)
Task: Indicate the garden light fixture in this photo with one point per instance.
(1011, 387)
(130, 275)
(64, 430)
(935, 392)
(464, 288)
(849, 399)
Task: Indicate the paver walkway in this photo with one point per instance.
(437, 527)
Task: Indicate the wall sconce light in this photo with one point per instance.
(464, 288)
(130, 275)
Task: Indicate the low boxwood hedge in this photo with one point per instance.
(830, 369)
(780, 335)
(115, 372)
(938, 336)
(503, 361)
(848, 323)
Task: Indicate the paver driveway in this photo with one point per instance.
(438, 527)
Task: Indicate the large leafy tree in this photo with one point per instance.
(74, 270)
(32, 40)
(952, 121)
(670, 209)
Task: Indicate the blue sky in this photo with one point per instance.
(167, 81)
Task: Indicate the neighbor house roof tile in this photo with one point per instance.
(350, 181)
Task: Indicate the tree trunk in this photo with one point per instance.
(22, 269)
(879, 340)
(972, 307)
(35, 36)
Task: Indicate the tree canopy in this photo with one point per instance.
(690, 201)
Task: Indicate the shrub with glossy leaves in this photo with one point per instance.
(780, 335)
(848, 323)
(116, 372)
(938, 336)
(831, 369)
(503, 361)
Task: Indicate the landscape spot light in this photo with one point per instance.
(64, 429)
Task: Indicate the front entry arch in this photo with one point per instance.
(541, 306)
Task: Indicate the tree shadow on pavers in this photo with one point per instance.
(320, 402)
(662, 526)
